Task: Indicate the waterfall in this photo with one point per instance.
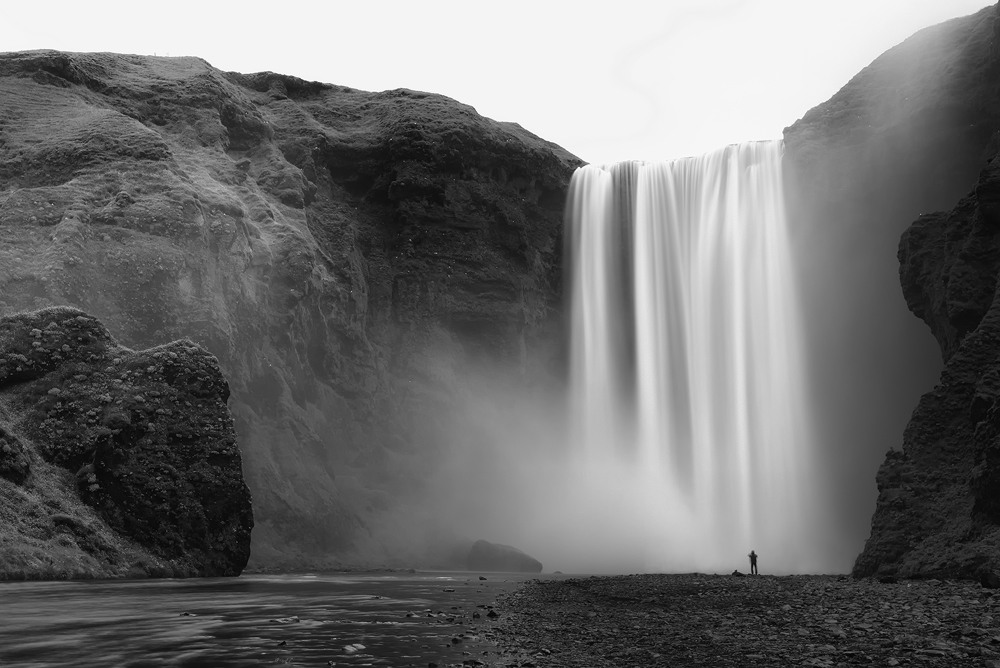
(686, 361)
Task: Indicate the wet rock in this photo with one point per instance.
(486, 556)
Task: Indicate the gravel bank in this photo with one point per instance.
(718, 620)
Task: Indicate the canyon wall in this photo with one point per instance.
(938, 510)
(907, 135)
(351, 259)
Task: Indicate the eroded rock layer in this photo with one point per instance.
(348, 257)
(114, 461)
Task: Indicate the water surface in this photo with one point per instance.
(356, 619)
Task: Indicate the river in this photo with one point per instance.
(338, 619)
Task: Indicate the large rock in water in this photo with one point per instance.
(938, 510)
(349, 258)
(486, 556)
(114, 461)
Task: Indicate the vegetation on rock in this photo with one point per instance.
(142, 438)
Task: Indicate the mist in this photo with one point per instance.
(904, 137)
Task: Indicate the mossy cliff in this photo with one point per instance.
(349, 258)
(114, 461)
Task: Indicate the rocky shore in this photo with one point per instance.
(721, 620)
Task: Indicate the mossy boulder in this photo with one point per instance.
(146, 435)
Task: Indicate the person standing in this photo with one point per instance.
(753, 563)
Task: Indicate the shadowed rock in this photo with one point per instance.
(486, 556)
(143, 438)
(905, 136)
(938, 509)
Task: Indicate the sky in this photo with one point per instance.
(654, 79)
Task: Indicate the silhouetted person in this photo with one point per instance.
(753, 563)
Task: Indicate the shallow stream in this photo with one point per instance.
(355, 619)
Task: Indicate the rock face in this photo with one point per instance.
(938, 511)
(486, 556)
(907, 135)
(143, 438)
(348, 257)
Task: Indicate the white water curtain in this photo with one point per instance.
(686, 354)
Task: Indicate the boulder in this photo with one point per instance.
(121, 462)
(486, 556)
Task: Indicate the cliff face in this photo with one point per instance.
(347, 257)
(143, 439)
(907, 135)
(938, 510)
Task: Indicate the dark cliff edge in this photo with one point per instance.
(938, 509)
(351, 259)
(906, 136)
(114, 462)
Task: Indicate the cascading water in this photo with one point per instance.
(686, 359)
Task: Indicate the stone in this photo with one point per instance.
(486, 556)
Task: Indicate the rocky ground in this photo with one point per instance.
(718, 620)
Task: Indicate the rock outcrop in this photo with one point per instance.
(906, 136)
(487, 556)
(349, 258)
(114, 461)
(938, 509)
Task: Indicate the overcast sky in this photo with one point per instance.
(608, 81)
